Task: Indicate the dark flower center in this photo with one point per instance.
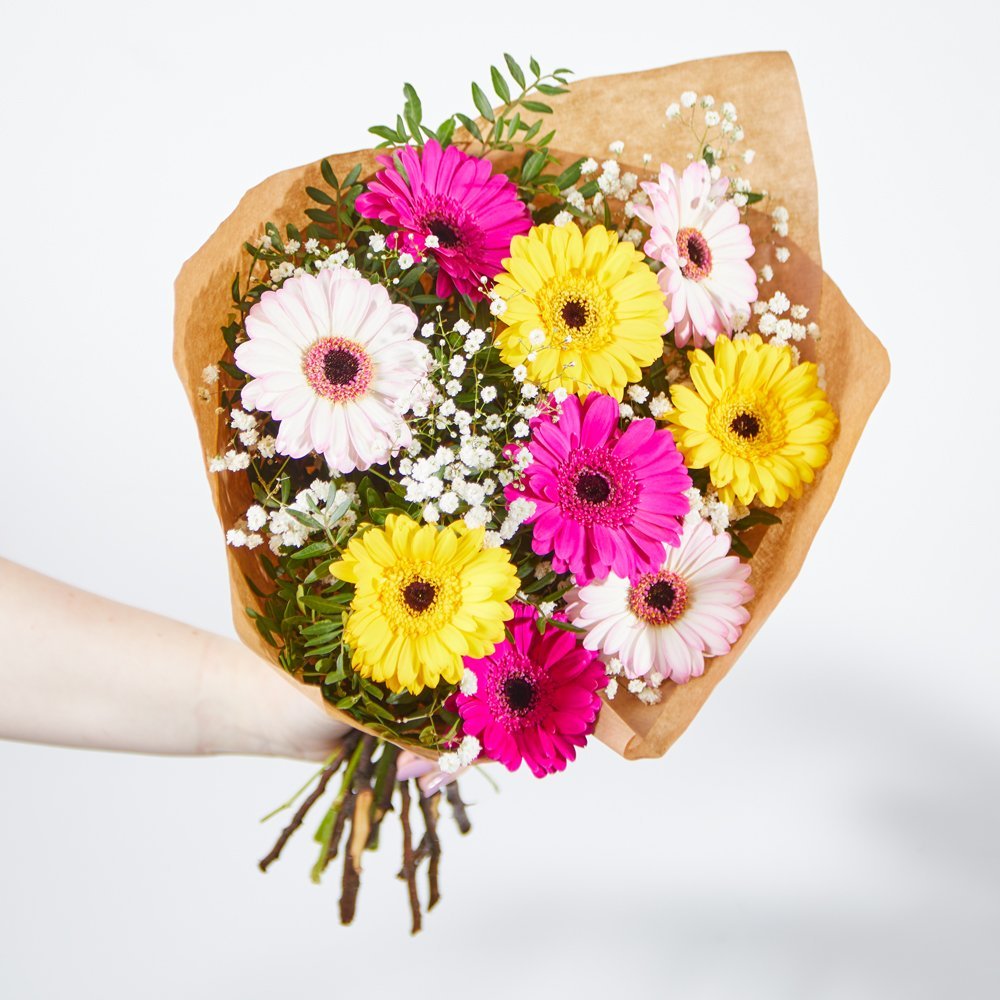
(593, 487)
(661, 596)
(447, 237)
(574, 314)
(419, 595)
(519, 694)
(694, 250)
(340, 366)
(746, 425)
(698, 252)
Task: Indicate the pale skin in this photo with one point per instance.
(79, 670)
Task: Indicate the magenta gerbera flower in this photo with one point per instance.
(536, 698)
(472, 213)
(605, 500)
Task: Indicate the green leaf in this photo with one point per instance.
(536, 106)
(384, 132)
(323, 605)
(328, 175)
(549, 90)
(515, 70)
(534, 67)
(321, 215)
(313, 550)
(482, 102)
(414, 126)
(532, 166)
(500, 85)
(756, 517)
(570, 175)
(445, 131)
(413, 102)
(304, 519)
(265, 631)
(753, 197)
(471, 127)
(740, 547)
(351, 179)
(321, 196)
(565, 626)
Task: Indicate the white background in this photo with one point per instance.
(829, 825)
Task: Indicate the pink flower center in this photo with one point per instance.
(337, 369)
(658, 598)
(515, 689)
(695, 255)
(597, 487)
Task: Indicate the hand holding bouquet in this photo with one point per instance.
(498, 431)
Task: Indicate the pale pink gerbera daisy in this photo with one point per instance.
(333, 359)
(704, 248)
(668, 620)
(472, 213)
(605, 500)
(535, 699)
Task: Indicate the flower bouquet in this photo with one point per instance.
(520, 426)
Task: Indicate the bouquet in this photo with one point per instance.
(519, 426)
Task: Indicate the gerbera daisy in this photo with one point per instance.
(605, 500)
(424, 597)
(332, 360)
(470, 211)
(594, 299)
(704, 248)
(668, 620)
(536, 698)
(757, 421)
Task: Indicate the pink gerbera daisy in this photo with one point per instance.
(333, 360)
(668, 620)
(472, 213)
(536, 698)
(605, 500)
(704, 248)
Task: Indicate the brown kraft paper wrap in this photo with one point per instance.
(627, 107)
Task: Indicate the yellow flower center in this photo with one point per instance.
(576, 312)
(418, 598)
(747, 424)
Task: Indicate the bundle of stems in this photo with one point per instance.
(368, 792)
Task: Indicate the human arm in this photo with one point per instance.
(84, 671)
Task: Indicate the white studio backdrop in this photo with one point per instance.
(829, 825)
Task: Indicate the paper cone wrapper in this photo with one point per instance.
(628, 107)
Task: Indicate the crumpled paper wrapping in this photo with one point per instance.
(627, 107)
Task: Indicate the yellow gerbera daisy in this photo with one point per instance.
(757, 421)
(593, 297)
(424, 597)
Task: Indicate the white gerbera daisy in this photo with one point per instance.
(704, 249)
(333, 359)
(667, 621)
